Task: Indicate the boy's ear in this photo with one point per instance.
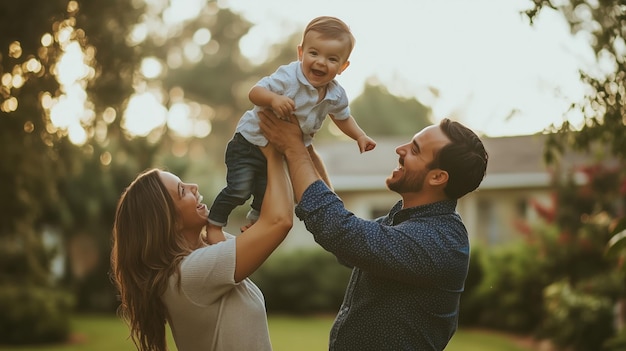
(343, 67)
(299, 52)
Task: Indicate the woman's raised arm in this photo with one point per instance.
(256, 243)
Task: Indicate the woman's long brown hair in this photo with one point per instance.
(146, 252)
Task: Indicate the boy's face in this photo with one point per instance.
(322, 58)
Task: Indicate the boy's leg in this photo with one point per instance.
(260, 183)
(239, 181)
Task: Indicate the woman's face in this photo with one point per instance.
(191, 211)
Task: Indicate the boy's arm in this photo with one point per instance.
(350, 128)
(319, 166)
(263, 97)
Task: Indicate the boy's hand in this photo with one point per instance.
(365, 143)
(283, 106)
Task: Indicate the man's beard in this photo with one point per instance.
(407, 184)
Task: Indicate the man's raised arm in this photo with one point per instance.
(286, 136)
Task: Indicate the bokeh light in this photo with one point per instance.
(143, 114)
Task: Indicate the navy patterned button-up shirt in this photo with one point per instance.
(409, 269)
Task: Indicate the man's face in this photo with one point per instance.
(414, 160)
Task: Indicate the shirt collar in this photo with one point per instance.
(332, 93)
(398, 215)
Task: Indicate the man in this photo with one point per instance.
(409, 267)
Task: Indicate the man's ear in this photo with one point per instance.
(343, 67)
(299, 52)
(438, 177)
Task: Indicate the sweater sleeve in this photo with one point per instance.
(208, 272)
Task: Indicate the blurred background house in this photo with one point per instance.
(498, 212)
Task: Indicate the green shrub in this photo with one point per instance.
(576, 319)
(504, 289)
(471, 304)
(513, 288)
(302, 281)
(31, 315)
(618, 342)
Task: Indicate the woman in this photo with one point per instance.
(168, 270)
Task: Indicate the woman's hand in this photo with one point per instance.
(282, 133)
(258, 241)
(270, 150)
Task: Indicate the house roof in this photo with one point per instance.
(515, 161)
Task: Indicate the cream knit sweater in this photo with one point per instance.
(211, 311)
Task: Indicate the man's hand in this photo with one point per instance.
(281, 133)
(286, 136)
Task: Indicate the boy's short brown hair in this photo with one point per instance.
(330, 28)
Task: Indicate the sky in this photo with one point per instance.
(479, 62)
(492, 70)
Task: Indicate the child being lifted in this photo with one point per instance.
(305, 88)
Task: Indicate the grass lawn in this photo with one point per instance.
(311, 334)
(105, 333)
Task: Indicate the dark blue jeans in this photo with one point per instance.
(246, 175)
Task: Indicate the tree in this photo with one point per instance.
(383, 114)
(604, 108)
(35, 155)
(584, 285)
(605, 105)
(49, 181)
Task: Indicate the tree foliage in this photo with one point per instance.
(50, 183)
(557, 284)
(604, 24)
(36, 156)
(382, 114)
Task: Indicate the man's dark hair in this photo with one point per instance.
(464, 158)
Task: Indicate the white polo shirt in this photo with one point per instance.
(288, 80)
